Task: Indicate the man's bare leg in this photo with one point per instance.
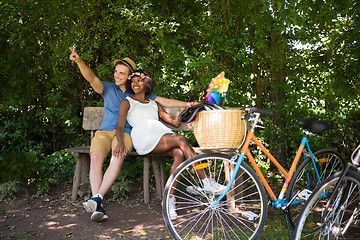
(111, 174)
(96, 174)
(96, 178)
(100, 184)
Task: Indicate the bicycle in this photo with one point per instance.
(333, 209)
(242, 214)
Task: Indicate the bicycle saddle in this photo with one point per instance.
(314, 125)
(188, 115)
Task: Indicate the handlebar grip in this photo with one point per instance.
(264, 112)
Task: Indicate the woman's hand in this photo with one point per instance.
(190, 104)
(119, 151)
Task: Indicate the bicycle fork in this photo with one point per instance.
(236, 169)
(246, 214)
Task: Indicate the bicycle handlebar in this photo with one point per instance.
(263, 112)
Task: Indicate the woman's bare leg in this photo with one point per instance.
(178, 157)
(171, 141)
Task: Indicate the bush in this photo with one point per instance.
(9, 189)
(24, 167)
(34, 171)
(59, 166)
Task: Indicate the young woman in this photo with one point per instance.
(148, 134)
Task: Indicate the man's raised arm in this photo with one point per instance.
(86, 71)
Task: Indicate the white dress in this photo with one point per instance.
(146, 127)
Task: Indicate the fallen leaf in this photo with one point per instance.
(11, 228)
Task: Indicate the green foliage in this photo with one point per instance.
(299, 59)
(264, 166)
(22, 167)
(59, 166)
(35, 171)
(120, 188)
(9, 189)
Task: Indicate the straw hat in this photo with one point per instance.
(127, 62)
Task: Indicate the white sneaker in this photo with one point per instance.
(99, 215)
(210, 187)
(172, 207)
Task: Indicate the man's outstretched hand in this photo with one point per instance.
(74, 56)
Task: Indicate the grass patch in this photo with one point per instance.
(275, 227)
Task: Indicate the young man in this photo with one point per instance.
(105, 138)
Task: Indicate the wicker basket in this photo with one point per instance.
(219, 128)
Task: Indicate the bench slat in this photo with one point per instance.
(80, 149)
(92, 118)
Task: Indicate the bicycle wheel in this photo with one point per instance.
(241, 214)
(305, 180)
(342, 216)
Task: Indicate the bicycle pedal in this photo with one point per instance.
(312, 224)
(304, 194)
(249, 215)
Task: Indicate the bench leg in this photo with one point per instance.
(81, 172)
(162, 174)
(76, 179)
(146, 179)
(85, 167)
(157, 174)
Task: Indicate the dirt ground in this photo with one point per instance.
(55, 216)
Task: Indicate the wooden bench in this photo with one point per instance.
(92, 117)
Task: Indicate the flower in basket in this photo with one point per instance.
(217, 88)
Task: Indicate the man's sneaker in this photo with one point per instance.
(99, 215)
(210, 186)
(92, 204)
(172, 207)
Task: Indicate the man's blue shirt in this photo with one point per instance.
(113, 96)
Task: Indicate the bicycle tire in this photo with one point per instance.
(327, 162)
(240, 214)
(345, 217)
